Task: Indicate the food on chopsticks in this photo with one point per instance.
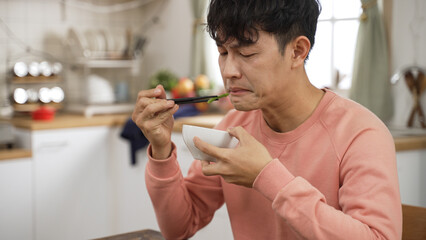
(217, 98)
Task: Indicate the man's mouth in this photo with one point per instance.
(237, 91)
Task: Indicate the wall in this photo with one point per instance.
(170, 41)
(409, 20)
(43, 25)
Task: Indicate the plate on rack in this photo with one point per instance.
(78, 43)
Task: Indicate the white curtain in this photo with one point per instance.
(198, 61)
(371, 85)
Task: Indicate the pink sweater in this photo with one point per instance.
(333, 177)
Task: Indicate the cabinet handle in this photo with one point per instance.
(52, 145)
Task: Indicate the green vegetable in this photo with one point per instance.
(216, 98)
(164, 77)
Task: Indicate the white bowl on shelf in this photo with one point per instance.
(218, 138)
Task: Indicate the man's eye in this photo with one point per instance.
(247, 55)
(223, 53)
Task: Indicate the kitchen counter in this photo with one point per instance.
(402, 143)
(60, 121)
(6, 154)
(75, 120)
(69, 121)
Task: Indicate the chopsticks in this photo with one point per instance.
(194, 99)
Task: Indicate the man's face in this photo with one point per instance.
(256, 75)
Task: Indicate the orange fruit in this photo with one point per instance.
(202, 82)
(185, 87)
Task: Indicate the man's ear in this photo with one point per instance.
(300, 49)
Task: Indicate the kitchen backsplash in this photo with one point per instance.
(44, 25)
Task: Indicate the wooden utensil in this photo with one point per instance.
(416, 85)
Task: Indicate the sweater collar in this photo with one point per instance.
(302, 128)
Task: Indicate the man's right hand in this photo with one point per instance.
(153, 114)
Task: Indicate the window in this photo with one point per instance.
(212, 58)
(331, 59)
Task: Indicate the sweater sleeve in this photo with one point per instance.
(369, 200)
(182, 205)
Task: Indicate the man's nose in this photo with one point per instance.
(230, 68)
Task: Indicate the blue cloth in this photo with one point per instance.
(137, 140)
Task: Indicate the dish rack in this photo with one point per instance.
(104, 70)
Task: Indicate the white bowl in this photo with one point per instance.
(214, 137)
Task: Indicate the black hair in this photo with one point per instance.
(243, 19)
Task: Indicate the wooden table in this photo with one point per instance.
(146, 234)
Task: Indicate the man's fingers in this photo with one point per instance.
(240, 133)
(153, 109)
(209, 169)
(160, 89)
(157, 107)
(207, 148)
(157, 92)
(163, 116)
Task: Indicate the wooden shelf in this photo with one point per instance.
(31, 107)
(40, 79)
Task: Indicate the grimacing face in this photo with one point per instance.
(255, 75)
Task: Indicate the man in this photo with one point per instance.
(309, 164)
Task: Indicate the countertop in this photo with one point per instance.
(60, 121)
(6, 154)
(69, 121)
(402, 143)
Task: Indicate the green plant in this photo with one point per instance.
(164, 77)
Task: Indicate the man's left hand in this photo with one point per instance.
(240, 165)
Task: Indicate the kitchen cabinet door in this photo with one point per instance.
(16, 215)
(220, 226)
(134, 209)
(73, 182)
(412, 178)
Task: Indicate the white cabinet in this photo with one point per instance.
(220, 226)
(16, 215)
(80, 185)
(134, 207)
(412, 176)
(73, 181)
